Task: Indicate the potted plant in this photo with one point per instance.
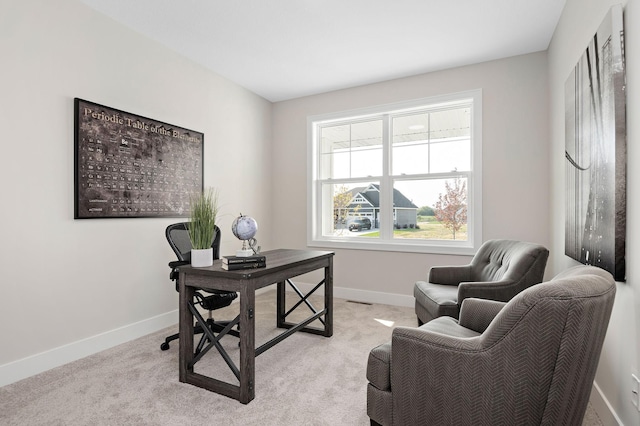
(204, 211)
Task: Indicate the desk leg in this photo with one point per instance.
(186, 329)
(247, 343)
(328, 299)
(280, 304)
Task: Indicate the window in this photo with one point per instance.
(403, 177)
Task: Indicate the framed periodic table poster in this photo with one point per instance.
(129, 166)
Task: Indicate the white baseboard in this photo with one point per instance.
(29, 366)
(603, 408)
(374, 297)
(32, 365)
(365, 296)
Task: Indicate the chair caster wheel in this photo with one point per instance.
(164, 346)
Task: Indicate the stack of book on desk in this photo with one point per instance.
(234, 263)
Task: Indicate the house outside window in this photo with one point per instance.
(412, 170)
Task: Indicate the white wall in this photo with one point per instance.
(515, 166)
(65, 280)
(619, 359)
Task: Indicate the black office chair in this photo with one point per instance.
(178, 238)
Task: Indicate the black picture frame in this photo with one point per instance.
(130, 166)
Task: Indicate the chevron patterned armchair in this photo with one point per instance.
(529, 361)
(499, 270)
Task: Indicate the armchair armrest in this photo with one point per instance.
(407, 339)
(502, 290)
(477, 314)
(449, 275)
(434, 376)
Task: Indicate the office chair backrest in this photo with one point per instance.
(178, 238)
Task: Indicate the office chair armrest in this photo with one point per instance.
(176, 263)
(173, 275)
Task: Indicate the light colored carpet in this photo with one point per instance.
(304, 380)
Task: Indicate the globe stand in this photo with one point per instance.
(244, 228)
(245, 252)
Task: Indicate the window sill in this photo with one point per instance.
(461, 248)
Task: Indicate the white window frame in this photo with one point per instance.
(386, 242)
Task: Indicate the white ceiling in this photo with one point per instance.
(284, 49)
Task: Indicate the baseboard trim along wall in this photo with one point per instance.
(603, 408)
(32, 365)
(362, 295)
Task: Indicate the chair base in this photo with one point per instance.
(215, 326)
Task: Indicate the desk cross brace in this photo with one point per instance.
(289, 332)
(303, 298)
(213, 340)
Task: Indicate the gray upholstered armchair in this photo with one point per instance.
(529, 361)
(499, 270)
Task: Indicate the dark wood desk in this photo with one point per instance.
(282, 265)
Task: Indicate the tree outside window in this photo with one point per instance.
(451, 208)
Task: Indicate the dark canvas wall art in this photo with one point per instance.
(595, 152)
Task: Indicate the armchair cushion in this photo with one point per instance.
(449, 326)
(378, 371)
(435, 300)
(379, 388)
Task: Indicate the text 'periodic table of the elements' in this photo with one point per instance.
(131, 166)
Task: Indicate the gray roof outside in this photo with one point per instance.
(373, 196)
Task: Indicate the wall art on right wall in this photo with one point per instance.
(595, 151)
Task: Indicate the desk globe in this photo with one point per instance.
(244, 228)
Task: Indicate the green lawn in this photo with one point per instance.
(427, 231)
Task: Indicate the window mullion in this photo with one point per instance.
(429, 144)
(386, 184)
